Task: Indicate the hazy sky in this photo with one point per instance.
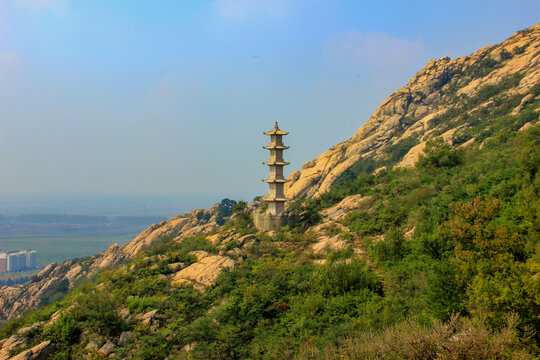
(171, 97)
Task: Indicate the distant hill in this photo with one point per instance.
(69, 224)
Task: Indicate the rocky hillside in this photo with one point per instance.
(435, 90)
(376, 248)
(57, 279)
(414, 243)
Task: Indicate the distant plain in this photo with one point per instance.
(58, 248)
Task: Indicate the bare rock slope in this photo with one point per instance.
(431, 92)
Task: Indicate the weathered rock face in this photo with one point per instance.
(38, 352)
(353, 202)
(204, 272)
(15, 299)
(19, 341)
(408, 110)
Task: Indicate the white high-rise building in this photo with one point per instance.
(20, 260)
(12, 261)
(31, 259)
(3, 261)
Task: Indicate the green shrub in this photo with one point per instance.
(460, 338)
(56, 293)
(398, 150)
(505, 55)
(307, 210)
(337, 278)
(438, 154)
(361, 167)
(199, 242)
(392, 249)
(519, 49)
(340, 255)
(241, 221)
(484, 67)
(203, 215)
(377, 220)
(231, 245)
(64, 332)
(97, 311)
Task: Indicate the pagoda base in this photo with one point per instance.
(268, 222)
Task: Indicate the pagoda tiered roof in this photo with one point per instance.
(276, 131)
(277, 163)
(278, 199)
(275, 180)
(275, 147)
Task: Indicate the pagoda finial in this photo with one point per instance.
(276, 126)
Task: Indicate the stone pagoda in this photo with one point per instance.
(275, 216)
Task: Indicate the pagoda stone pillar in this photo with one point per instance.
(275, 216)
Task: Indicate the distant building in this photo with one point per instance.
(18, 260)
(3, 262)
(12, 263)
(31, 259)
(21, 260)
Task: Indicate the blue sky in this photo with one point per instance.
(171, 97)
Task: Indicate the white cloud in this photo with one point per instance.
(373, 49)
(239, 10)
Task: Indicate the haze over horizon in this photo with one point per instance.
(172, 99)
(166, 206)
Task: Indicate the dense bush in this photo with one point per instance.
(393, 249)
(438, 154)
(307, 211)
(242, 220)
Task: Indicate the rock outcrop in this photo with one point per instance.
(38, 352)
(431, 92)
(204, 272)
(353, 202)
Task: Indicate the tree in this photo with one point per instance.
(493, 264)
(438, 154)
(225, 210)
(392, 249)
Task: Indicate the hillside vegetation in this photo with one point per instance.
(438, 260)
